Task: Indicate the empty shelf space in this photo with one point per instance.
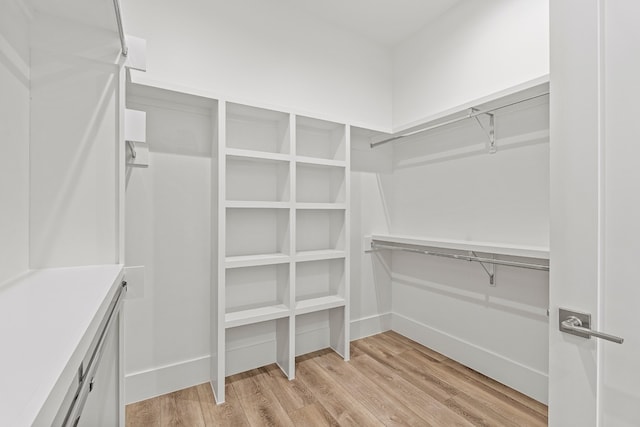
(319, 255)
(255, 315)
(317, 304)
(256, 260)
(257, 129)
(319, 230)
(253, 179)
(257, 232)
(320, 183)
(320, 139)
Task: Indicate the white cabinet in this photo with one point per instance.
(282, 268)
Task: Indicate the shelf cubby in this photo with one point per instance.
(252, 179)
(320, 184)
(318, 330)
(320, 139)
(255, 294)
(319, 285)
(257, 129)
(259, 344)
(257, 233)
(320, 230)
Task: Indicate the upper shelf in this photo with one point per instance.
(485, 106)
(537, 252)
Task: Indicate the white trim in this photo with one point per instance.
(370, 325)
(510, 372)
(164, 379)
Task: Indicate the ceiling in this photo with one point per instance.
(385, 22)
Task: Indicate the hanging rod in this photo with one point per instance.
(473, 112)
(409, 248)
(123, 41)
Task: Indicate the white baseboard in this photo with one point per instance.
(165, 379)
(525, 379)
(367, 326)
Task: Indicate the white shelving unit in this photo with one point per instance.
(283, 233)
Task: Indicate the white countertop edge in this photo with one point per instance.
(46, 373)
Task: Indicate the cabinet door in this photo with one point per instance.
(101, 408)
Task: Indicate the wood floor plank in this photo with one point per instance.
(169, 411)
(415, 374)
(229, 413)
(493, 406)
(144, 413)
(390, 380)
(498, 387)
(416, 346)
(260, 405)
(188, 409)
(313, 415)
(387, 409)
(429, 408)
(334, 397)
(292, 395)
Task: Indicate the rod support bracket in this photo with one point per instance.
(489, 269)
(491, 131)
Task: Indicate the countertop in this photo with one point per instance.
(47, 320)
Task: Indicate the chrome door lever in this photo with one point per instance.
(579, 324)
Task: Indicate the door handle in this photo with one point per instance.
(579, 324)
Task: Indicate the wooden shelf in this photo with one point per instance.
(321, 206)
(255, 315)
(538, 252)
(248, 204)
(319, 255)
(256, 260)
(320, 162)
(318, 304)
(258, 155)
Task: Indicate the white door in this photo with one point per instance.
(595, 210)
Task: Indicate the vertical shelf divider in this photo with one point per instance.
(345, 340)
(218, 335)
(292, 245)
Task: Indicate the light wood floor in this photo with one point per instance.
(390, 380)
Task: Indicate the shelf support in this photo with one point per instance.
(490, 270)
(491, 132)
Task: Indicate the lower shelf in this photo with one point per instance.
(318, 304)
(256, 260)
(255, 315)
(319, 255)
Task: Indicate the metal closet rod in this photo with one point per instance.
(531, 266)
(123, 41)
(474, 113)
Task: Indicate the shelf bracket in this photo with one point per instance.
(490, 270)
(132, 148)
(491, 132)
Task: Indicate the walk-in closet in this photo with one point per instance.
(279, 212)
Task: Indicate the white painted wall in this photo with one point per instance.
(474, 49)
(74, 134)
(265, 53)
(168, 217)
(446, 185)
(371, 184)
(14, 139)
